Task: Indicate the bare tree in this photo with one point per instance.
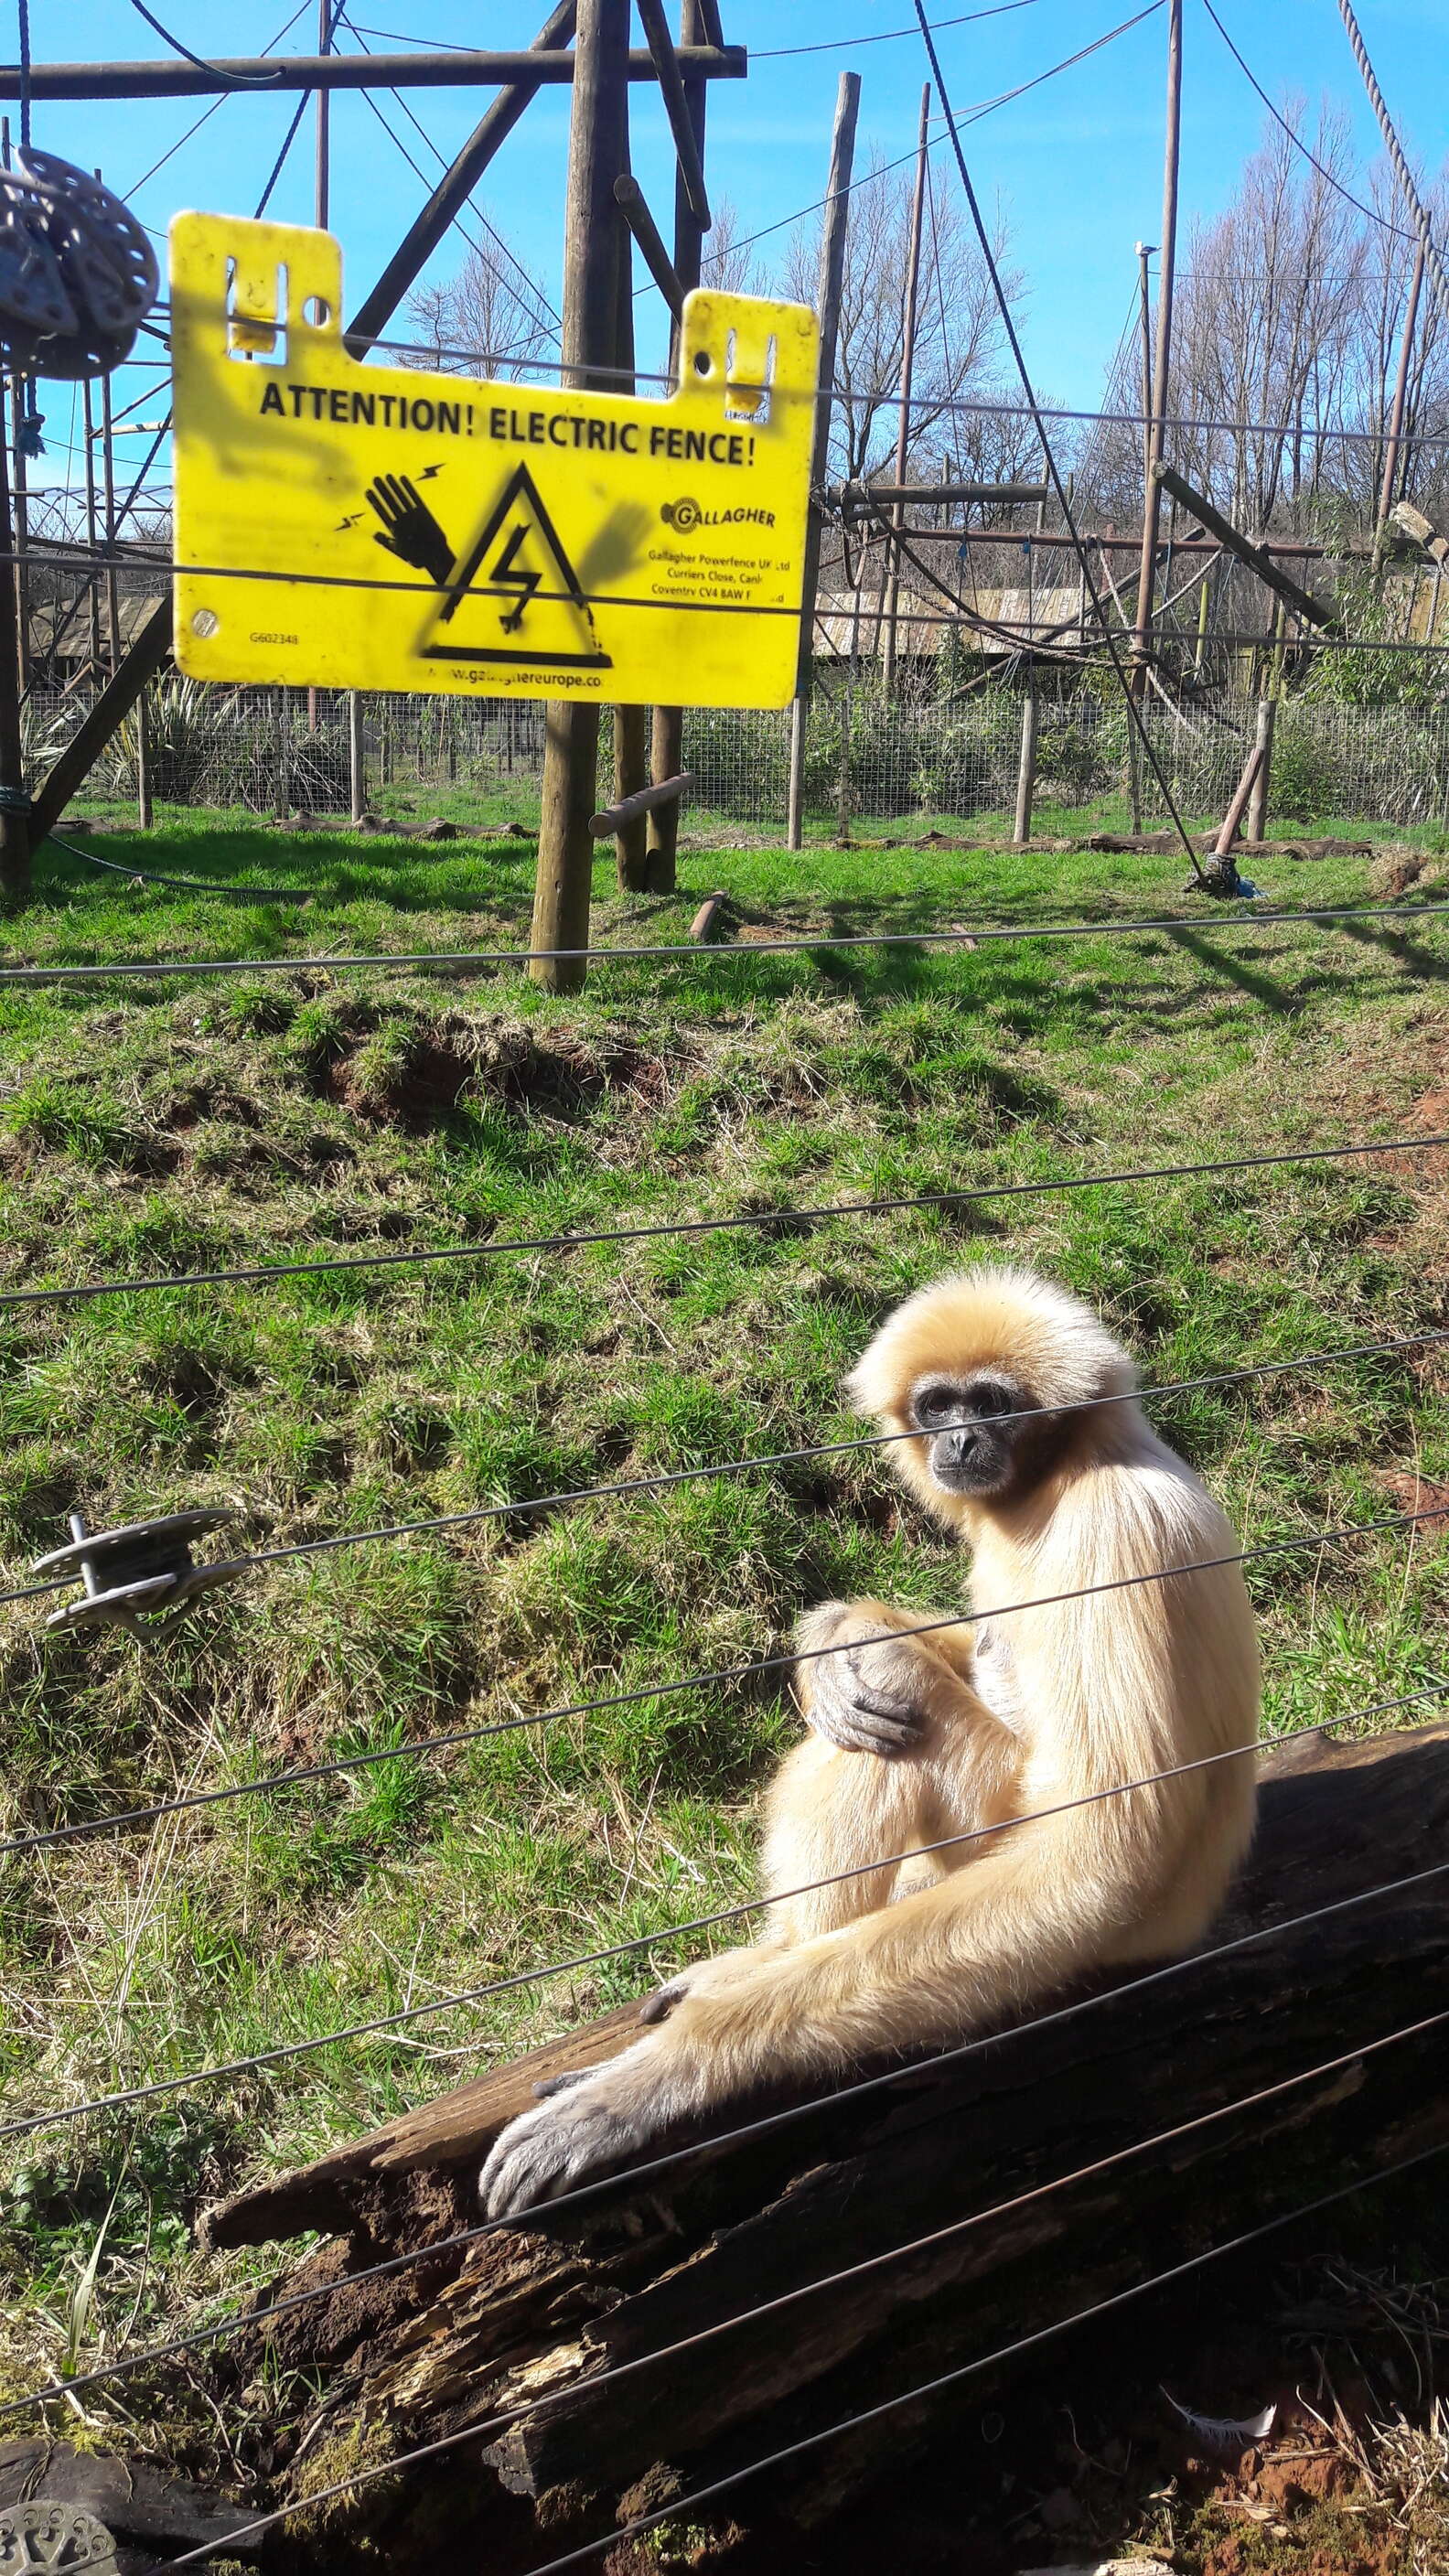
(728, 264)
(958, 328)
(489, 319)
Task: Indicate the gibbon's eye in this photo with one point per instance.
(937, 1401)
(987, 1398)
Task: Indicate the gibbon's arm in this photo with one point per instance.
(952, 1958)
(882, 1688)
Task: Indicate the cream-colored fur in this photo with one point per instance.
(1048, 1703)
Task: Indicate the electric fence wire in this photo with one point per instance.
(230, 80)
(494, 1246)
(287, 2052)
(720, 1677)
(703, 2495)
(1397, 916)
(152, 2356)
(207, 113)
(690, 2503)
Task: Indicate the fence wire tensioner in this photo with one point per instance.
(141, 1576)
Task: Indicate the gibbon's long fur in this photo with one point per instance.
(968, 1726)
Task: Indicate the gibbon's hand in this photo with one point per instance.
(870, 1697)
(707, 1977)
(577, 2130)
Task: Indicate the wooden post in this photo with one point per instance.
(15, 823)
(1401, 387)
(93, 595)
(1026, 773)
(827, 297)
(908, 360)
(143, 761)
(592, 225)
(320, 197)
(631, 723)
(666, 756)
(1257, 822)
(356, 764)
(1152, 497)
(1144, 289)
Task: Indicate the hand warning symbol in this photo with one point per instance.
(409, 529)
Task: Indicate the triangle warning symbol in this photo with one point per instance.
(513, 596)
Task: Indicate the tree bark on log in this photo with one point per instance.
(532, 2318)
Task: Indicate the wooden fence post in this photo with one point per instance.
(143, 760)
(832, 271)
(1257, 822)
(356, 765)
(592, 224)
(666, 757)
(1026, 772)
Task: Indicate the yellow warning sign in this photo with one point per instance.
(363, 526)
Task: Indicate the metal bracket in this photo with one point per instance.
(58, 2536)
(140, 1573)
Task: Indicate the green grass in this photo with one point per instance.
(154, 1125)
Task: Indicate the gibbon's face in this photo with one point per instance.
(973, 1447)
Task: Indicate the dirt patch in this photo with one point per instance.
(412, 1074)
(1421, 1494)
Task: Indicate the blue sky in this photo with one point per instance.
(1076, 164)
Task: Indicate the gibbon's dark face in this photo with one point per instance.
(976, 1448)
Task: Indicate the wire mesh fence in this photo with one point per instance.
(926, 748)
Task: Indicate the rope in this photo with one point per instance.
(23, 12)
(233, 80)
(206, 2335)
(1394, 149)
(289, 2051)
(1359, 204)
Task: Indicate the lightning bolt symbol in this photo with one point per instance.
(428, 472)
(507, 576)
(347, 523)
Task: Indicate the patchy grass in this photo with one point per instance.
(152, 1125)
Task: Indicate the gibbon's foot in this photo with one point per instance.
(576, 2133)
(561, 2083)
(726, 1970)
(869, 1697)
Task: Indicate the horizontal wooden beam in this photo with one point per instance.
(867, 495)
(643, 801)
(1254, 553)
(265, 74)
(629, 198)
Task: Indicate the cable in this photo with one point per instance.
(721, 1675)
(1360, 207)
(495, 1246)
(23, 14)
(231, 80)
(887, 35)
(288, 2051)
(1003, 302)
(172, 149)
(1395, 151)
(441, 158)
(305, 964)
(125, 2365)
(686, 2504)
(186, 885)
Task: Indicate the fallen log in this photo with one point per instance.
(530, 2322)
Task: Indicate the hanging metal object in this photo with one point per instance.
(77, 273)
(53, 2536)
(140, 1577)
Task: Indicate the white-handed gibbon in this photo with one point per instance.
(996, 1378)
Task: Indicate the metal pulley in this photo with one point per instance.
(140, 1577)
(77, 273)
